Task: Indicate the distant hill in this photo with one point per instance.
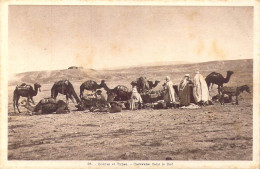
(128, 74)
(54, 75)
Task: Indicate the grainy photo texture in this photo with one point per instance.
(122, 82)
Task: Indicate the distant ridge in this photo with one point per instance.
(131, 73)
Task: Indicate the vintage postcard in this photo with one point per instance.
(136, 84)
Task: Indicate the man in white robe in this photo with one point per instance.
(200, 89)
(170, 95)
(135, 98)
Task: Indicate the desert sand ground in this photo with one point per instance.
(213, 132)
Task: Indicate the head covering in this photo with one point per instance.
(187, 75)
(134, 90)
(197, 71)
(167, 78)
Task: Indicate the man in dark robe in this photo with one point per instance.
(185, 91)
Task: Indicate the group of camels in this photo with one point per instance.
(119, 93)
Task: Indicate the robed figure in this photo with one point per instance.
(200, 89)
(169, 97)
(185, 91)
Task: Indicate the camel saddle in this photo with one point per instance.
(23, 86)
(48, 100)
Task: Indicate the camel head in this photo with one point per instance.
(230, 72)
(157, 81)
(247, 89)
(37, 86)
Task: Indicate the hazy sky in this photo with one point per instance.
(56, 37)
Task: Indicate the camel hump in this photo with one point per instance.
(213, 74)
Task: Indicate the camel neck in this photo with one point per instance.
(35, 91)
(227, 77)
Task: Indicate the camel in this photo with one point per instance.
(232, 91)
(218, 79)
(64, 87)
(92, 101)
(141, 84)
(91, 85)
(47, 106)
(25, 90)
(122, 93)
(153, 96)
(152, 85)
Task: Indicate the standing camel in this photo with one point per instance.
(141, 84)
(91, 85)
(218, 79)
(233, 91)
(25, 90)
(64, 87)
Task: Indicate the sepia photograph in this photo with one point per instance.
(129, 85)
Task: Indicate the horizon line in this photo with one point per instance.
(163, 63)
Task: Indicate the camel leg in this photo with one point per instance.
(32, 100)
(230, 98)
(14, 106)
(222, 99)
(236, 99)
(16, 102)
(218, 90)
(55, 94)
(67, 99)
(81, 93)
(71, 98)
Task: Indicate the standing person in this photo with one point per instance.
(185, 91)
(135, 98)
(200, 89)
(169, 98)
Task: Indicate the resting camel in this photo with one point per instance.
(64, 87)
(91, 100)
(153, 96)
(91, 85)
(47, 106)
(218, 79)
(122, 92)
(25, 90)
(232, 91)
